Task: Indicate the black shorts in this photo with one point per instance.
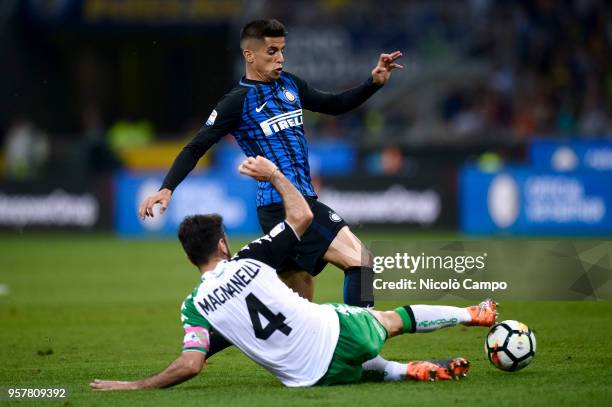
(308, 254)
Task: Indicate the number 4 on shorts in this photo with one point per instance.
(275, 321)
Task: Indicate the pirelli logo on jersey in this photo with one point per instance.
(282, 122)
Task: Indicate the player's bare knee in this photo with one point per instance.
(392, 322)
(353, 249)
(367, 258)
(354, 258)
(383, 319)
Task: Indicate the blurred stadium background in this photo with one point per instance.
(500, 124)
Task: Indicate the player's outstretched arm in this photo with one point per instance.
(181, 167)
(186, 366)
(338, 103)
(297, 211)
(222, 120)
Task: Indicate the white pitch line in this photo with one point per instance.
(4, 289)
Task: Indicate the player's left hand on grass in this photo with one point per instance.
(98, 384)
(258, 167)
(386, 63)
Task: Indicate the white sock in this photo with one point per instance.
(395, 371)
(392, 371)
(431, 317)
(375, 365)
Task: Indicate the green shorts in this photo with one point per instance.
(361, 339)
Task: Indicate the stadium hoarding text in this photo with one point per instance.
(383, 201)
(563, 156)
(375, 201)
(500, 269)
(55, 204)
(529, 201)
(210, 192)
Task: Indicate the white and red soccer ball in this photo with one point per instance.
(510, 345)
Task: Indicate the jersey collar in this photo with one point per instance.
(216, 272)
(251, 82)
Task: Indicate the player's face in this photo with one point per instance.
(268, 58)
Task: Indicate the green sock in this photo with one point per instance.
(407, 316)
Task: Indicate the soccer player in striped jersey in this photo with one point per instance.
(263, 112)
(300, 342)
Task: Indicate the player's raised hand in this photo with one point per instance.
(386, 63)
(111, 385)
(258, 167)
(161, 197)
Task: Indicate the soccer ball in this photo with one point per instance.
(510, 345)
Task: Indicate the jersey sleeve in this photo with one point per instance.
(333, 103)
(196, 327)
(224, 119)
(271, 249)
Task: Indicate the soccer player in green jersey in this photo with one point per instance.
(300, 342)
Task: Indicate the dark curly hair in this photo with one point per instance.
(199, 235)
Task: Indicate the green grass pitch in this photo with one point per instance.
(78, 307)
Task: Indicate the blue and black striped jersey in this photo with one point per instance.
(266, 119)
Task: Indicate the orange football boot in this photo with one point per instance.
(483, 314)
(453, 369)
